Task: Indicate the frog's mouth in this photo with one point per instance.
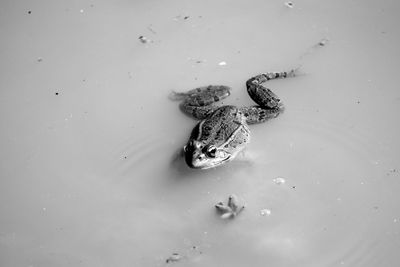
(203, 162)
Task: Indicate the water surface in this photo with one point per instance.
(89, 175)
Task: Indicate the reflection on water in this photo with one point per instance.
(90, 167)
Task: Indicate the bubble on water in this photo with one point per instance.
(279, 180)
(265, 212)
(174, 258)
(289, 4)
(144, 39)
(323, 42)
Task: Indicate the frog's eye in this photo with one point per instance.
(211, 151)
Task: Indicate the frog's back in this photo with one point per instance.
(225, 128)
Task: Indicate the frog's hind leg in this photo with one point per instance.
(207, 95)
(257, 114)
(262, 95)
(198, 102)
(201, 96)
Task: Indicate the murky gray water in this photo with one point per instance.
(89, 136)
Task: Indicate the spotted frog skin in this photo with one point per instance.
(223, 131)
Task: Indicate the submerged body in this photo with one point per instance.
(223, 131)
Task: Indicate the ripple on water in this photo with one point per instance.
(338, 171)
(323, 207)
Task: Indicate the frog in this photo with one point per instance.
(222, 131)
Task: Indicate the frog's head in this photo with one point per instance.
(217, 139)
(201, 156)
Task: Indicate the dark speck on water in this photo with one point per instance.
(323, 42)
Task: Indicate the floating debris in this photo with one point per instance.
(174, 258)
(289, 4)
(29, 12)
(39, 59)
(323, 42)
(196, 60)
(180, 17)
(265, 212)
(391, 171)
(143, 39)
(222, 63)
(231, 210)
(279, 180)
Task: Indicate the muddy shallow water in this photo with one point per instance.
(88, 167)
